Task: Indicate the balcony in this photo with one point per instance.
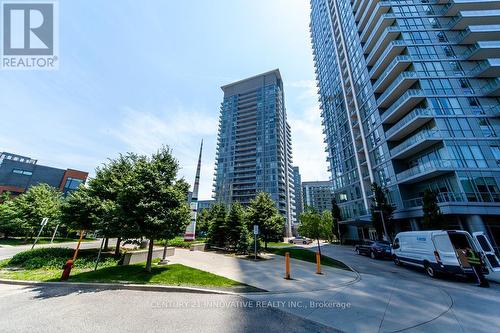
(492, 88)
(447, 197)
(476, 33)
(404, 81)
(454, 6)
(425, 171)
(384, 22)
(399, 64)
(418, 142)
(474, 17)
(361, 9)
(409, 123)
(486, 68)
(483, 50)
(371, 17)
(390, 34)
(393, 49)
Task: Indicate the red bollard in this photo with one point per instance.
(67, 269)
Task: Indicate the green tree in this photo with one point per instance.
(217, 225)
(9, 223)
(83, 211)
(245, 242)
(381, 204)
(336, 218)
(315, 226)
(433, 219)
(154, 200)
(109, 181)
(262, 212)
(202, 222)
(235, 223)
(38, 202)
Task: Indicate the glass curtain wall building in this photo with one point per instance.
(254, 147)
(409, 94)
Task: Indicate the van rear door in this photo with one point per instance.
(485, 246)
(446, 251)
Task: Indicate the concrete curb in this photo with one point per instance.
(119, 286)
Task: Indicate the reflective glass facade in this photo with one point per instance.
(409, 93)
(254, 149)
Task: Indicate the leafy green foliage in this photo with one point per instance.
(235, 225)
(432, 219)
(262, 212)
(217, 227)
(23, 214)
(381, 204)
(56, 257)
(316, 226)
(202, 222)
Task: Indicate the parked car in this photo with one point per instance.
(441, 251)
(300, 240)
(374, 249)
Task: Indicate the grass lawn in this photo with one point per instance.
(46, 265)
(310, 256)
(277, 244)
(43, 240)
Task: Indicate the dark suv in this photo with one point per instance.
(374, 249)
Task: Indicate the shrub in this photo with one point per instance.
(56, 257)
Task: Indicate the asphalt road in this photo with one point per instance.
(66, 309)
(473, 309)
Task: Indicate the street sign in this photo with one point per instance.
(255, 229)
(44, 221)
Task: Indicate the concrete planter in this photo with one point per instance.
(135, 257)
(198, 247)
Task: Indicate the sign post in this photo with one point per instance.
(54, 234)
(255, 233)
(42, 224)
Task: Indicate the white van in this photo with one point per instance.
(440, 251)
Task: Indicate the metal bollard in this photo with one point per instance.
(287, 266)
(318, 263)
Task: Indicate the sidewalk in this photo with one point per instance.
(340, 299)
(266, 274)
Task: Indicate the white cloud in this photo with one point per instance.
(182, 130)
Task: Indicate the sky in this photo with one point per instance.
(136, 75)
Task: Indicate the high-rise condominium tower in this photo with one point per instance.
(409, 94)
(254, 149)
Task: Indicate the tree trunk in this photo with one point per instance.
(117, 248)
(319, 247)
(106, 241)
(265, 242)
(150, 256)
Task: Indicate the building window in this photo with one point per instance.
(72, 184)
(22, 172)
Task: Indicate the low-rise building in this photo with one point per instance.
(18, 173)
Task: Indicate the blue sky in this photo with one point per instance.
(134, 75)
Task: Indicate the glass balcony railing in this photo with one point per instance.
(426, 167)
(407, 119)
(392, 64)
(419, 137)
(491, 86)
(383, 56)
(396, 83)
(446, 197)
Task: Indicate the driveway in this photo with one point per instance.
(455, 304)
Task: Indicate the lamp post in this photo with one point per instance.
(386, 235)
